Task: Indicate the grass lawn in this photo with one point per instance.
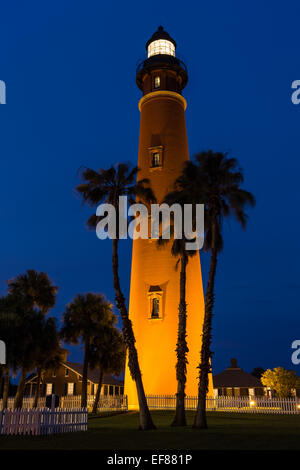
(119, 432)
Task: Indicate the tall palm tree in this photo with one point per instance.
(179, 251)
(81, 319)
(108, 354)
(35, 288)
(106, 186)
(214, 180)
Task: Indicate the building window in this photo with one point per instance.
(67, 373)
(105, 390)
(54, 374)
(155, 308)
(70, 389)
(156, 82)
(111, 390)
(49, 389)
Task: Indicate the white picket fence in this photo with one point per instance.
(106, 402)
(27, 402)
(233, 404)
(43, 421)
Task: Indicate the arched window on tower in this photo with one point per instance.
(156, 157)
(155, 295)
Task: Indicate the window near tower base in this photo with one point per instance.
(155, 308)
(157, 82)
(155, 296)
(155, 159)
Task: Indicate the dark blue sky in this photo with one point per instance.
(69, 67)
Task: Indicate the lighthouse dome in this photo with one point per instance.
(161, 43)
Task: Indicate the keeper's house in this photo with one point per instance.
(235, 382)
(67, 380)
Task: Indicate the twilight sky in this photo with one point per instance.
(69, 68)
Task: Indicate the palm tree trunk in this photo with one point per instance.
(20, 390)
(1, 379)
(85, 373)
(129, 339)
(37, 391)
(6, 386)
(200, 421)
(181, 350)
(97, 397)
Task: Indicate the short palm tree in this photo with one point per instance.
(27, 348)
(108, 355)
(49, 352)
(106, 186)
(35, 288)
(19, 321)
(214, 180)
(10, 322)
(38, 295)
(81, 319)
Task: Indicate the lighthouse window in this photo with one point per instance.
(157, 82)
(155, 308)
(155, 159)
(161, 46)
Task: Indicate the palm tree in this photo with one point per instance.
(35, 289)
(49, 352)
(81, 319)
(27, 348)
(108, 354)
(106, 186)
(9, 327)
(178, 250)
(214, 180)
(1, 379)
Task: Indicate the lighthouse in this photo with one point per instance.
(154, 286)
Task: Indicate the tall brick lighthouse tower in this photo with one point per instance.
(154, 289)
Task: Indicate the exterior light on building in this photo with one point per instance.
(298, 406)
(252, 403)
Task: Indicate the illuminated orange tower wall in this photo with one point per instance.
(154, 288)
